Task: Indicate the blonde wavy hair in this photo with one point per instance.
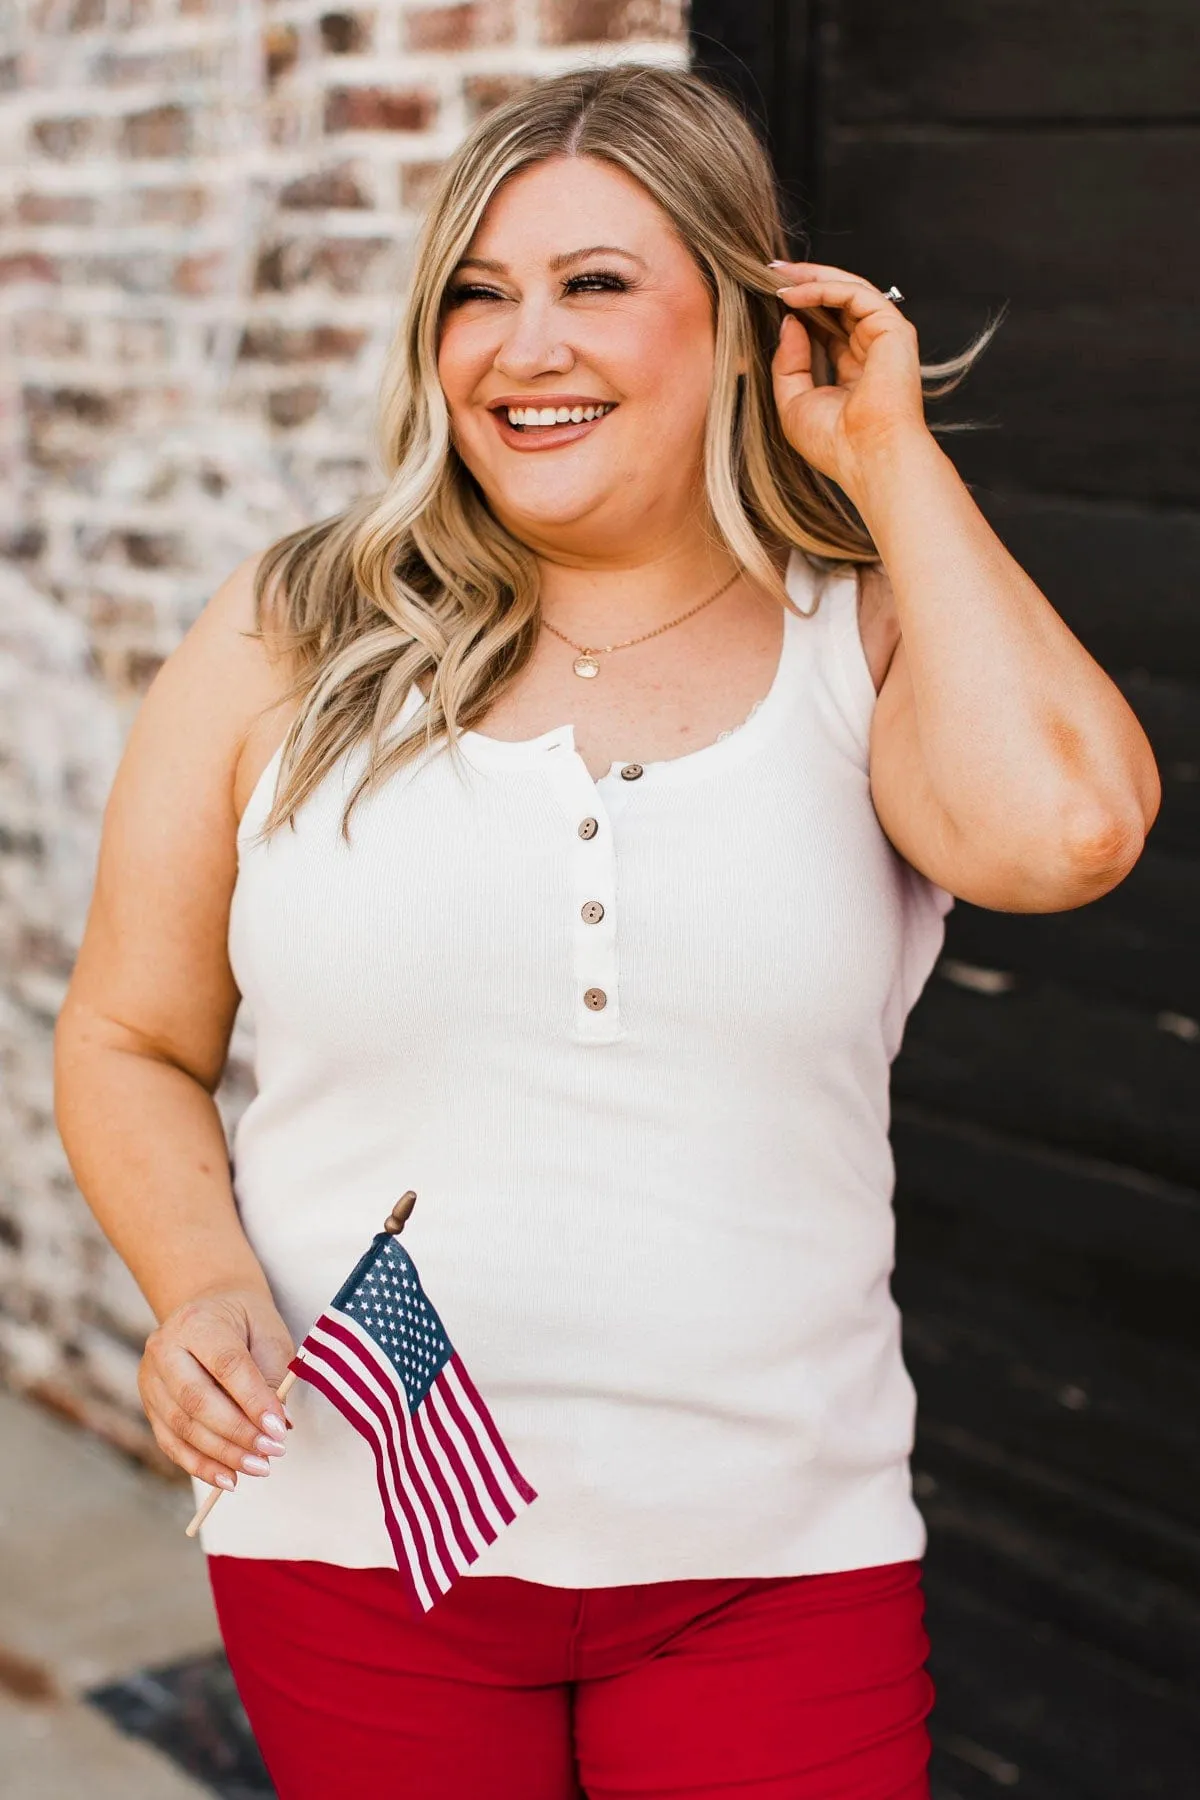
(420, 579)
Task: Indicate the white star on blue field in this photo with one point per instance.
(389, 1303)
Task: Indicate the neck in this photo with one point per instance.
(635, 593)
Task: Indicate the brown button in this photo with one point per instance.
(596, 998)
(588, 828)
(592, 911)
(631, 771)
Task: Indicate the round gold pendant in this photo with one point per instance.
(586, 666)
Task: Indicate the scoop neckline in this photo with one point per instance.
(801, 581)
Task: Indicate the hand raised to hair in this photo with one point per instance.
(875, 401)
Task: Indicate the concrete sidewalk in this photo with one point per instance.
(97, 1581)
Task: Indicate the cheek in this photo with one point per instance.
(460, 363)
(668, 355)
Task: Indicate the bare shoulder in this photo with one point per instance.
(219, 699)
(263, 676)
(878, 622)
(153, 967)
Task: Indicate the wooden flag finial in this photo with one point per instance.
(398, 1218)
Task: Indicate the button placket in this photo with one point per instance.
(595, 1001)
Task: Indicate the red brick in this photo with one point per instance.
(49, 334)
(417, 183)
(608, 21)
(63, 140)
(200, 274)
(281, 51)
(292, 406)
(55, 209)
(292, 344)
(142, 340)
(160, 131)
(281, 267)
(346, 263)
(26, 543)
(27, 265)
(169, 205)
(134, 549)
(485, 92)
(85, 406)
(469, 26)
(109, 612)
(152, 549)
(345, 34)
(136, 669)
(379, 109)
(325, 188)
(66, 429)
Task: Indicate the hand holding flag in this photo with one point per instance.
(381, 1354)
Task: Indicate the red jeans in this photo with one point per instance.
(809, 1687)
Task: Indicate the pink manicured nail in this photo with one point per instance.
(256, 1465)
(269, 1446)
(273, 1423)
(224, 1481)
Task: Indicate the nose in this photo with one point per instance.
(531, 344)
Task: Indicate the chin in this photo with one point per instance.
(521, 512)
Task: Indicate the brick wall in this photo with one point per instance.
(205, 226)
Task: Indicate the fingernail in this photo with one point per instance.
(777, 265)
(224, 1481)
(269, 1446)
(256, 1465)
(273, 1423)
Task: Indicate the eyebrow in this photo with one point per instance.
(556, 262)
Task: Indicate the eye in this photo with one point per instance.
(595, 281)
(607, 282)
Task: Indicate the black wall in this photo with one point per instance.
(1047, 1098)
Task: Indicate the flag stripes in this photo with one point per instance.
(446, 1479)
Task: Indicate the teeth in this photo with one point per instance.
(550, 415)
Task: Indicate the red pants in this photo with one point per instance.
(808, 1687)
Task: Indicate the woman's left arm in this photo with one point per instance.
(1005, 764)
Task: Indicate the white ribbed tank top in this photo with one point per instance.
(659, 1230)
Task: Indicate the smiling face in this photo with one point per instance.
(576, 294)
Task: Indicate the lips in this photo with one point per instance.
(544, 437)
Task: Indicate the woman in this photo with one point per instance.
(580, 829)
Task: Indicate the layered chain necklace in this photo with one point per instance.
(587, 667)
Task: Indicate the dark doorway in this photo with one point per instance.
(1047, 1098)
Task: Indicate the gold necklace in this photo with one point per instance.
(585, 664)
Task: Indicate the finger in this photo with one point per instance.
(792, 363)
(809, 271)
(189, 1387)
(847, 367)
(187, 1457)
(225, 1356)
(856, 298)
(243, 1449)
(197, 1391)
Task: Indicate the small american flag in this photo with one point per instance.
(448, 1485)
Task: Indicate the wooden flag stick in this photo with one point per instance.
(394, 1224)
(206, 1506)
